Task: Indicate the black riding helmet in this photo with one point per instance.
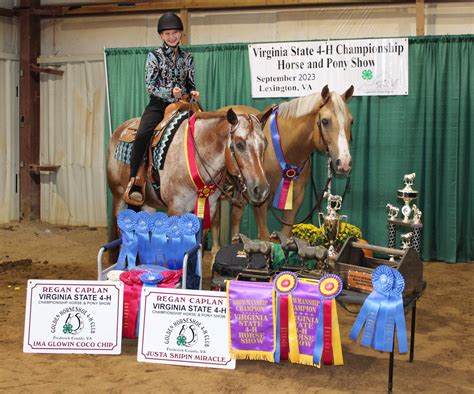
(169, 21)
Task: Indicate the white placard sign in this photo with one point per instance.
(184, 327)
(293, 69)
(71, 316)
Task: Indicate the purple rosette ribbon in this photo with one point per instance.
(127, 221)
(158, 228)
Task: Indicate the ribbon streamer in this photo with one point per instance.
(174, 254)
(383, 313)
(284, 195)
(158, 228)
(284, 284)
(328, 340)
(131, 300)
(144, 222)
(127, 221)
(190, 225)
(204, 190)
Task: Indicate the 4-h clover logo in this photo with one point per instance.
(67, 328)
(367, 74)
(181, 340)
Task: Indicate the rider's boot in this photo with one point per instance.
(135, 192)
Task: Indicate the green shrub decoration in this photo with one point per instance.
(316, 235)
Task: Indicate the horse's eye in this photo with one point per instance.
(352, 121)
(240, 146)
(325, 122)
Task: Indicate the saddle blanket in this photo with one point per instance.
(123, 149)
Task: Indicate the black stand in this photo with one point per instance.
(412, 346)
(352, 297)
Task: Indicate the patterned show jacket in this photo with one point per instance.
(163, 72)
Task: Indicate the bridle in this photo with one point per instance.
(242, 184)
(240, 178)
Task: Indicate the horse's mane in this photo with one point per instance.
(300, 106)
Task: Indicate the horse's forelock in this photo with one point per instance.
(300, 106)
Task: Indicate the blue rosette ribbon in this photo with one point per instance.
(151, 279)
(190, 226)
(383, 313)
(158, 228)
(174, 251)
(127, 221)
(144, 222)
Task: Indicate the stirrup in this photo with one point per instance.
(135, 197)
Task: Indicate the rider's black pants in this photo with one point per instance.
(152, 115)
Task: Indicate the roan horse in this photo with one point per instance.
(321, 122)
(223, 142)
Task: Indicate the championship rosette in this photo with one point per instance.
(383, 313)
(284, 284)
(313, 322)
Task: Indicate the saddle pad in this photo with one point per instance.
(123, 150)
(160, 150)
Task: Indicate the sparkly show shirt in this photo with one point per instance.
(164, 70)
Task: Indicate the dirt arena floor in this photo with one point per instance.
(444, 361)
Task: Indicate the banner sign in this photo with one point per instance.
(376, 67)
(184, 327)
(73, 317)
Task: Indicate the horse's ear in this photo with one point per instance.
(348, 94)
(232, 117)
(325, 93)
(263, 116)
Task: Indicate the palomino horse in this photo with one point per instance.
(223, 142)
(320, 121)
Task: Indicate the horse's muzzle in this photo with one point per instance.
(258, 193)
(343, 167)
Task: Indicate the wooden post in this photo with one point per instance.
(420, 17)
(30, 48)
(185, 38)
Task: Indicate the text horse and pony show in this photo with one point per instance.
(295, 129)
(193, 169)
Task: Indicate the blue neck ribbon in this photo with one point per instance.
(144, 221)
(285, 167)
(158, 229)
(127, 221)
(383, 312)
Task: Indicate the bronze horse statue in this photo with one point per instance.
(223, 142)
(317, 122)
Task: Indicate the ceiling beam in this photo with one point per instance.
(180, 5)
(144, 6)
